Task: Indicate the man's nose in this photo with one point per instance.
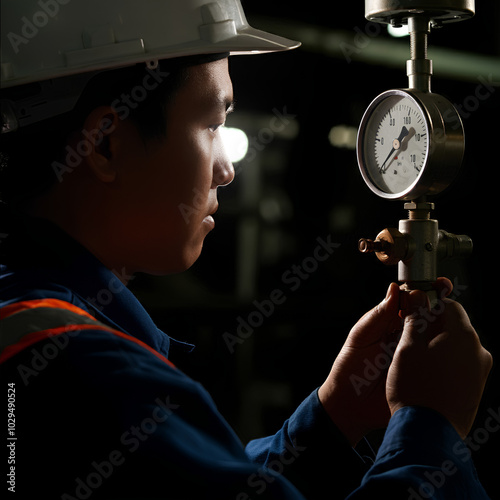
(223, 167)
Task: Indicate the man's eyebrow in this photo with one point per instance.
(229, 105)
(222, 102)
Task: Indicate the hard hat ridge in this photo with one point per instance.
(44, 39)
(60, 45)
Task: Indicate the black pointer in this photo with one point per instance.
(402, 135)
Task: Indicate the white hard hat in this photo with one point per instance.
(46, 39)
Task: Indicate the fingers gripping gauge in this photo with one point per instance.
(410, 144)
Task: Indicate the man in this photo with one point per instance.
(115, 148)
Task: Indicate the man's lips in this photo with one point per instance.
(209, 219)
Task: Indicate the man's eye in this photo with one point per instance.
(214, 128)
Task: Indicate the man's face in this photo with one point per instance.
(168, 187)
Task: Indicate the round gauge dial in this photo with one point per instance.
(399, 144)
(401, 136)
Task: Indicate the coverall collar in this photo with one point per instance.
(39, 246)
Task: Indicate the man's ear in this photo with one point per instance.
(99, 141)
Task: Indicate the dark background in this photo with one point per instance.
(295, 187)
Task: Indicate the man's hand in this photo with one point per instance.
(354, 392)
(439, 362)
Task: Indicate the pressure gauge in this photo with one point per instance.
(410, 144)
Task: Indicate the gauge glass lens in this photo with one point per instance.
(395, 144)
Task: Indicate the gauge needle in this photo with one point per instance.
(396, 144)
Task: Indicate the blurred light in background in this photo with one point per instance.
(397, 32)
(343, 136)
(235, 142)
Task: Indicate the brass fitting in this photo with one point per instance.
(390, 246)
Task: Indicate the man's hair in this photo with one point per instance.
(30, 155)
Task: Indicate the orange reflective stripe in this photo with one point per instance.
(37, 336)
(31, 304)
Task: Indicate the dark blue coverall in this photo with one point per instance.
(100, 412)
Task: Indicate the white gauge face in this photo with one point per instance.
(394, 144)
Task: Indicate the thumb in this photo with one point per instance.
(390, 304)
(386, 310)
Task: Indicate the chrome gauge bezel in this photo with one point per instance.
(444, 149)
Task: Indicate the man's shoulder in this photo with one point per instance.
(18, 285)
